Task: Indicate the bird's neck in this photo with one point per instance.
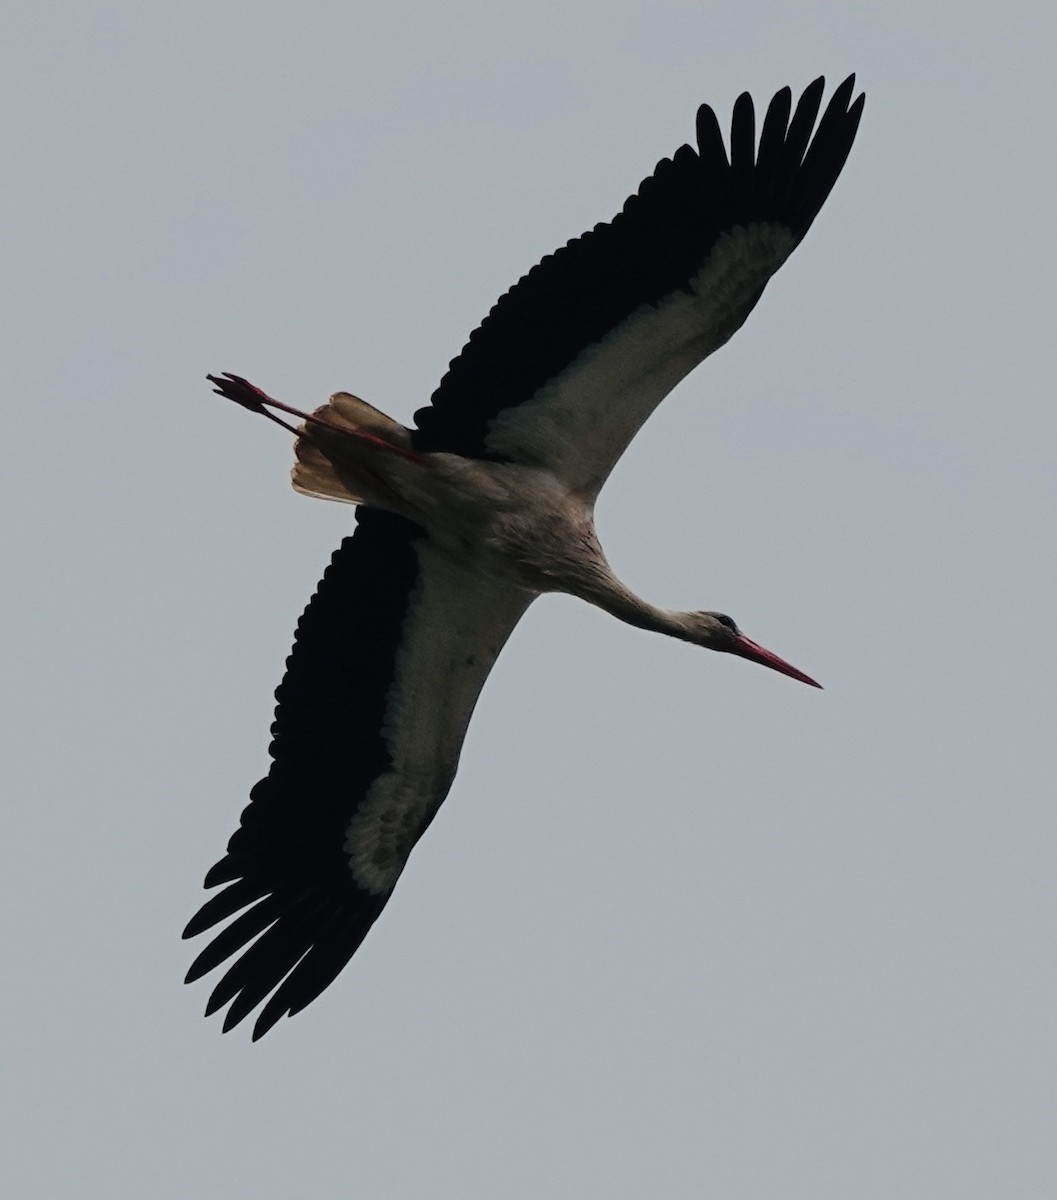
(604, 589)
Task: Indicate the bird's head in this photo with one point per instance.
(717, 631)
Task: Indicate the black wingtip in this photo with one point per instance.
(195, 971)
(202, 965)
(842, 95)
(856, 110)
(214, 1004)
(219, 873)
(231, 1018)
(267, 1020)
(743, 134)
(710, 145)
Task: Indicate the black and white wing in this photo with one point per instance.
(388, 661)
(568, 365)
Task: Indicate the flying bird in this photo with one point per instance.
(463, 520)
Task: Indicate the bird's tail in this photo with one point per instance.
(331, 444)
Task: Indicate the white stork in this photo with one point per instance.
(469, 516)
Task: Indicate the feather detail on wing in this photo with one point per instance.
(573, 359)
(388, 662)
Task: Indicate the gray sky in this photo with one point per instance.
(683, 927)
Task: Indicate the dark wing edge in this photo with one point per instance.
(286, 859)
(576, 296)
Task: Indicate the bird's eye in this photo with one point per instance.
(723, 619)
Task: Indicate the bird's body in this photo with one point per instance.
(468, 517)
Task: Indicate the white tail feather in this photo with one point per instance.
(317, 474)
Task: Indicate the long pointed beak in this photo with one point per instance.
(745, 648)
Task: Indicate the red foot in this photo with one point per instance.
(234, 387)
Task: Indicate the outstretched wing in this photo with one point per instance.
(388, 661)
(568, 365)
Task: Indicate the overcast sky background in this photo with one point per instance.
(683, 928)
